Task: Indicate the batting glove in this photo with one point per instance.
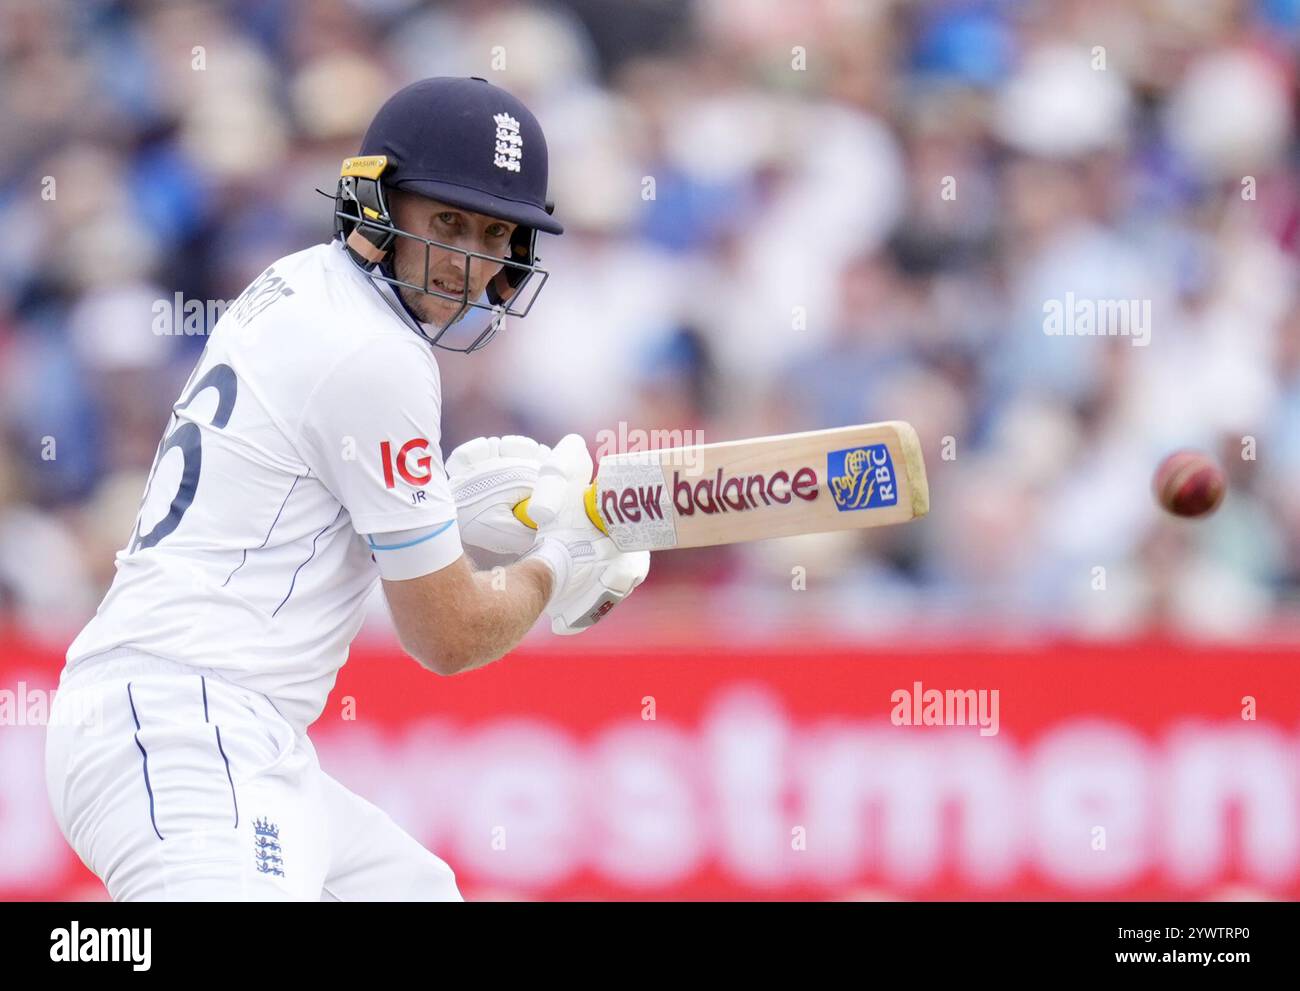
(488, 476)
(592, 575)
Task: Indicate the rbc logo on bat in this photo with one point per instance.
(862, 477)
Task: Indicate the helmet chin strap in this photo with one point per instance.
(392, 296)
(361, 246)
(386, 267)
(369, 257)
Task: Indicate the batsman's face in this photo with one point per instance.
(449, 272)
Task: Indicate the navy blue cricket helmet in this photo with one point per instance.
(466, 143)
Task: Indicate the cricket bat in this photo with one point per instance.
(846, 478)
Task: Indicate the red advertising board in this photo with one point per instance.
(1147, 769)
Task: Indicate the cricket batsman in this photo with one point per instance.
(301, 464)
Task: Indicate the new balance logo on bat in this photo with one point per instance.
(860, 478)
(736, 493)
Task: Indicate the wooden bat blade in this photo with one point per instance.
(779, 486)
(813, 482)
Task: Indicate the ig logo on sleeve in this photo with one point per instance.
(413, 470)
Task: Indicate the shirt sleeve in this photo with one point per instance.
(370, 431)
(415, 553)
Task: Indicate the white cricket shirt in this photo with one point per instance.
(309, 426)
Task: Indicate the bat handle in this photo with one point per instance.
(588, 501)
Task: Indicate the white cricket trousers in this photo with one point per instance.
(173, 785)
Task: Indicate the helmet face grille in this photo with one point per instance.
(363, 222)
(510, 293)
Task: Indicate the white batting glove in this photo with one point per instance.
(488, 476)
(592, 575)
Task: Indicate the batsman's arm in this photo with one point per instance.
(457, 619)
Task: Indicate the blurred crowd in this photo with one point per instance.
(780, 217)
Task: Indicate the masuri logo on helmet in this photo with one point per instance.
(471, 145)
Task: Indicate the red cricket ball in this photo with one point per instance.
(1189, 483)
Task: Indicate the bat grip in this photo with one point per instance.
(588, 502)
